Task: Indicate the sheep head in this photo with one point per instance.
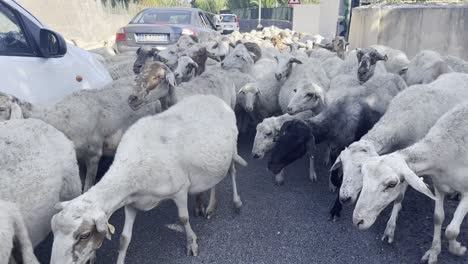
(153, 83)
(307, 96)
(285, 64)
(291, 145)
(144, 55)
(367, 60)
(79, 230)
(186, 69)
(385, 178)
(10, 107)
(350, 161)
(265, 138)
(242, 57)
(248, 96)
(339, 46)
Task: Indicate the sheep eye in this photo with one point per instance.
(237, 56)
(390, 185)
(85, 236)
(269, 134)
(295, 90)
(311, 95)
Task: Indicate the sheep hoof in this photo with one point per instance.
(209, 213)
(431, 256)
(332, 188)
(237, 206)
(192, 249)
(279, 182)
(457, 249)
(334, 218)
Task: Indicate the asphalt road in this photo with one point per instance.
(277, 224)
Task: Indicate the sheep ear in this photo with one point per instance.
(61, 205)
(403, 71)
(170, 79)
(15, 111)
(384, 57)
(295, 60)
(103, 227)
(417, 183)
(194, 64)
(359, 54)
(337, 164)
(138, 51)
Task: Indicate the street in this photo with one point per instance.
(277, 224)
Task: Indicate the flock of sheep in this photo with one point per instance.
(385, 122)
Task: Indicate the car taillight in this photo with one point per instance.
(188, 31)
(237, 20)
(120, 36)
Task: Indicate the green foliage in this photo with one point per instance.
(212, 6)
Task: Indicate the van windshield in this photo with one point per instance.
(228, 19)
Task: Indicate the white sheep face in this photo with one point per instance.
(285, 64)
(265, 138)
(185, 70)
(381, 186)
(79, 230)
(240, 58)
(9, 108)
(307, 96)
(248, 96)
(350, 161)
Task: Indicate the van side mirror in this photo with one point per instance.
(52, 44)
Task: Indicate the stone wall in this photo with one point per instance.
(442, 27)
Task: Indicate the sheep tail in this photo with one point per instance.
(239, 160)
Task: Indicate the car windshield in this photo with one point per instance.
(163, 17)
(228, 19)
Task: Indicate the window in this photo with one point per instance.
(162, 17)
(12, 37)
(228, 19)
(202, 19)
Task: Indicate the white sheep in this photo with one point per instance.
(408, 118)
(39, 169)
(13, 229)
(309, 71)
(175, 164)
(89, 118)
(396, 59)
(120, 69)
(456, 64)
(424, 68)
(441, 155)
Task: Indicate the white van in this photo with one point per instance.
(37, 64)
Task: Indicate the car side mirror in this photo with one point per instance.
(52, 44)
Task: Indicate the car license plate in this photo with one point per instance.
(151, 38)
(229, 26)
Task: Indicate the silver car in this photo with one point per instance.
(159, 27)
(229, 23)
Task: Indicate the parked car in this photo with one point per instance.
(229, 23)
(37, 64)
(160, 27)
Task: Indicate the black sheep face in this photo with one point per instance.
(291, 145)
(367, 61)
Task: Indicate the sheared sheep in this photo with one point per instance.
(175, 164)
(39, 168)
(456, 64)
(410, 115)
(88, 118)
(13, 231)
(441, 155)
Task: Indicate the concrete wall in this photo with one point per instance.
(412, 27)
(87, 22)
(317, 18)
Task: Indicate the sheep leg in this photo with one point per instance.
(180, 200)
(199, 206)
(326, 156)
(22, 238)
(235, 195)
(130, 216)
(391, 224)
(312, 174)
(92, 163)
(453, 229)
(439, 216)
(212, 204)
(279, 178)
